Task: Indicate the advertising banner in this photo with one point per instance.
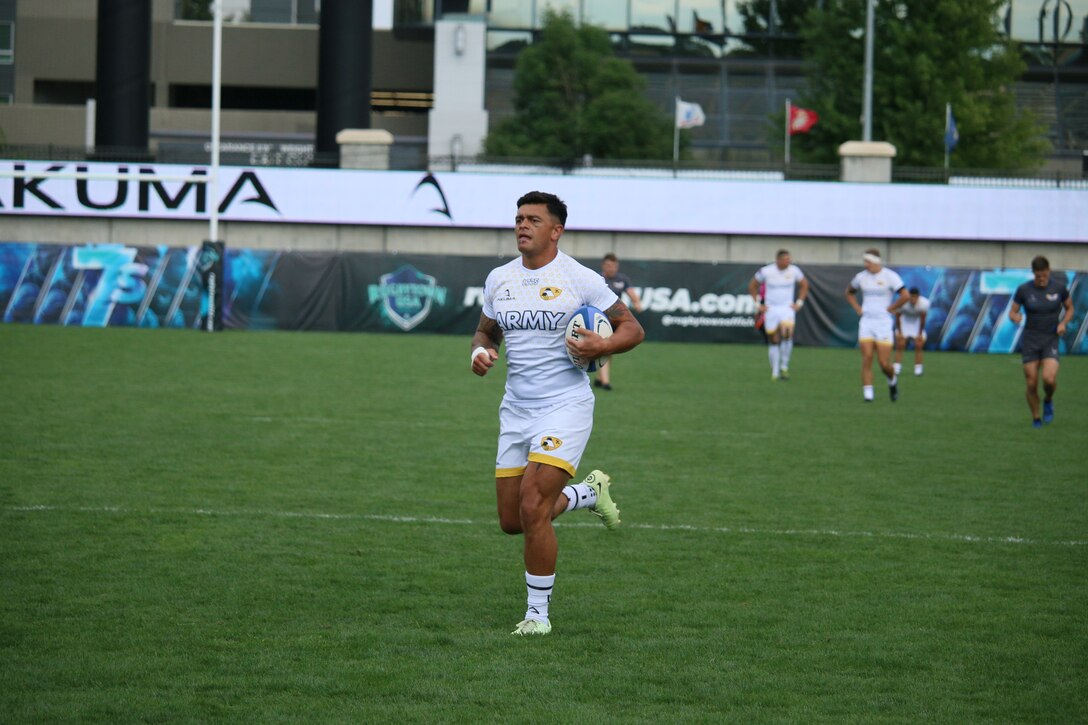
(210, 266)
(112, 284)
(487, 201)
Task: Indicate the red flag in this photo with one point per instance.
(802, 119)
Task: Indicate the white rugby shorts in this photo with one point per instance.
(555, 435)
(776, 315)
(911, 328)
(877, 329)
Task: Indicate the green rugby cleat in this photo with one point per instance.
(605, 508)
(532, 626)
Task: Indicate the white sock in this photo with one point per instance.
(772, 353)
(918, 369)
(867, 392)
(897, 367)
(787, 350)
(540, 595)
(580, 496)
(893, 379)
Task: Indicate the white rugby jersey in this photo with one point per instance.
(878, 291)
(532, 306)
(911, 311)
(779, 283)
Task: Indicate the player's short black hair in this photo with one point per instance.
(610, 257)
(915, 291)
(1040, 263)
(781, 252)
(556, 206)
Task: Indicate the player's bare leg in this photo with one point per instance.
(774, 352)
(785, 350)
(900, 348)
(604, 376)
(527, 504)
(1048, 370)
(1031, 380)
(884, 357)
(866, 347)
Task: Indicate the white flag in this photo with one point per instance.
(689, 115)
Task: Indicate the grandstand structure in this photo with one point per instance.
(740, 60)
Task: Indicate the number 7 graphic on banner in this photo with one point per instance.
(121, 280)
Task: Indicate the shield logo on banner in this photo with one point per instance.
(406, 296)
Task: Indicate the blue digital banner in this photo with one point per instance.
(98, 285)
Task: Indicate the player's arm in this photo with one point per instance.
(1064, 323)
(753, 289)
(636, 301)
(627, 332)
(485, 345)
(1014, 312)
(904, 298)
(852, 298)
(802, 293)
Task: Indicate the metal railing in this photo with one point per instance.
(412, 156)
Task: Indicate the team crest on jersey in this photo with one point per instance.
(1052, 296)
(549, 293)
(550, 443)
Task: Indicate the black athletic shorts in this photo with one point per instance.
(1036, 346)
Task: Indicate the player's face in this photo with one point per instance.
(874, 267)
(1042, 277)
(536, 229)
(914, 297)
(609, 268)
(783, 261)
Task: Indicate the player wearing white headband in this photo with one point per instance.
(882, 294)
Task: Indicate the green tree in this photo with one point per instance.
(573, 97)
(926, 53)
(196, 10)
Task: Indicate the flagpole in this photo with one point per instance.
(676, 134)
(947, 115)
(787, 132)
(867, 88)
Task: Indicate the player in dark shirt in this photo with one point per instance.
(1043, 299)
(619, 283)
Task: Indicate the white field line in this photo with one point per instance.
(834, 533)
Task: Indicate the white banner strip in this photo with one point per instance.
(597, 203)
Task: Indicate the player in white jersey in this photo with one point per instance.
(910, 324)
(882, 294)
(546, 415)
(779, 307)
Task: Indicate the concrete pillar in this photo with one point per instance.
(457, 124)
(364, 148)
(867, 161)
(123, 75)
(345, 47)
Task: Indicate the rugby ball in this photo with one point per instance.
(587, 318)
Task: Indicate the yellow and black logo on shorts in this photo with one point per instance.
(550, 443)
(550, 293)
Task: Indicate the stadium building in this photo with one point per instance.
(739, 59)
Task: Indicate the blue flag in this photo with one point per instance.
(951, 133)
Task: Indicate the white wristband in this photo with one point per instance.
(800, 304)
(476, 354)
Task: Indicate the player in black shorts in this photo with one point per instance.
(1043, 299)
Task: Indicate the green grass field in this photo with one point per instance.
(273, 527)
